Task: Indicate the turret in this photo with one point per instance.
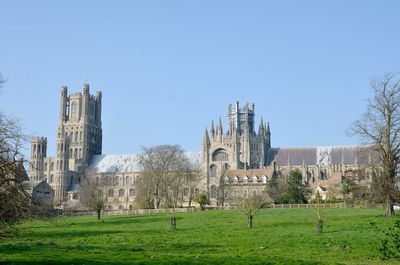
(38, 153)
(98, 98)
(61, 170)
(63, 104)
(85, 105)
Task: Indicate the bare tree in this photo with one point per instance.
(158, 163)
(193, 175)
(380, 127)
(14, 199)
(251, 206)
(175, 183)
(92, 193)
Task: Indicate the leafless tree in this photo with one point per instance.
(192, 177)
(251, 206)
(158, 164)
(92, 193)
(175, 183)
(14, 200)
(380, 127)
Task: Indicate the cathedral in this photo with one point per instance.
(239, 158)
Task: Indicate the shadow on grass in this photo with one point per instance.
(199, 259)
(74, 233)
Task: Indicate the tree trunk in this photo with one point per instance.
(250, 222)
(389, 209)
(173, 223)
(98, 214)
(156, 203)
(320, 226)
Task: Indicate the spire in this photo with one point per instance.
(261, 127)
(206, 139)
(268, 129)
(219, 128)
(212, 130)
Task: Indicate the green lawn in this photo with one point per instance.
(280, 236)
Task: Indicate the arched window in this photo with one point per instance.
(214, 191)
(226, 180)
(121, 207)
(76, 136)
(80, 136)
(245, 180)
(116, 180)
(73, 109)
(213, 171)
(51, 178)
(235, 180)
(127, 180)
(121, 193)
(264, 179)
(110, 207)
(255, 180)
(254, 192)
(131, 192)
(196, 191)
(235, 193)
(245, 194)
(220, 155)
(110, 193)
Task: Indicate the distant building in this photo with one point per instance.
(243, 161)
(40, 192)
(240, 161)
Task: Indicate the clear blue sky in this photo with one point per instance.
(166, 68)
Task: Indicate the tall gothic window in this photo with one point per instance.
(73, 109)
(213, 171)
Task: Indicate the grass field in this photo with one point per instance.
(280, 236)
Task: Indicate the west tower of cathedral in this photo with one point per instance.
(79, 138)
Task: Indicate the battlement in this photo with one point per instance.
(37, 139)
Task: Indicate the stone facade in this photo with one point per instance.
(241, 160)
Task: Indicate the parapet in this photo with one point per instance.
(37, 139)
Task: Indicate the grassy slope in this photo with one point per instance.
(280, 236)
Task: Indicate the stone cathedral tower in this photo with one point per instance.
(80, 121)
(241, 147)
(79, 137)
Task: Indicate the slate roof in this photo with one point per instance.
(124, 163)
(29, 185)
(323, 155)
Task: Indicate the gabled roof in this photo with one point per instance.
(28, 185)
